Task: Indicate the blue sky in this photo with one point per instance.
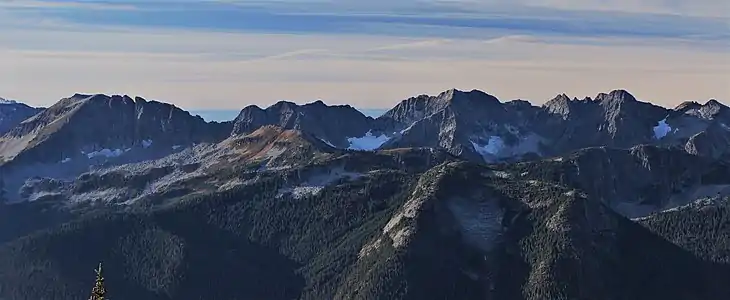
(225, 54)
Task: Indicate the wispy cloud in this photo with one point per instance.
(227, 54)
(697, 8)
(456, 18)
(48, 4)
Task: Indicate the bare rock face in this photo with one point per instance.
(471, 124)
(477, 126)
(615, 119)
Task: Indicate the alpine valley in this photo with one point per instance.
(453, 196)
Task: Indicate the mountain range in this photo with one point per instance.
(452, 196)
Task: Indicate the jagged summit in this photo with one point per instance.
(616, 95)
(714, 102)
(563, 105)
(562, 101)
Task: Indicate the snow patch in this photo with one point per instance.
(316, 183)
(725, 126)
(176, 147)
(662, 129)
(493, 146)
(105, 153)
(369, 142)
(147, 143)
(65, 160)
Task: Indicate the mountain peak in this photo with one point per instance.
(710, 110)
(715, 103)
(560, 98)
(283, 104)
(616, 96)
(456, 95)
(561, 104)
(413, 109)
(317, 103)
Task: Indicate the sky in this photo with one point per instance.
(219, 55)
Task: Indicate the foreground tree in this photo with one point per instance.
(98, 291)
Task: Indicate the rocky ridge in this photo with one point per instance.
(457, 195)
(13, 112)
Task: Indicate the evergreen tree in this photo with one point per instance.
(98, 291)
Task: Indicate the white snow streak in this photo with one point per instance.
(328, 143)
(408, 128)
